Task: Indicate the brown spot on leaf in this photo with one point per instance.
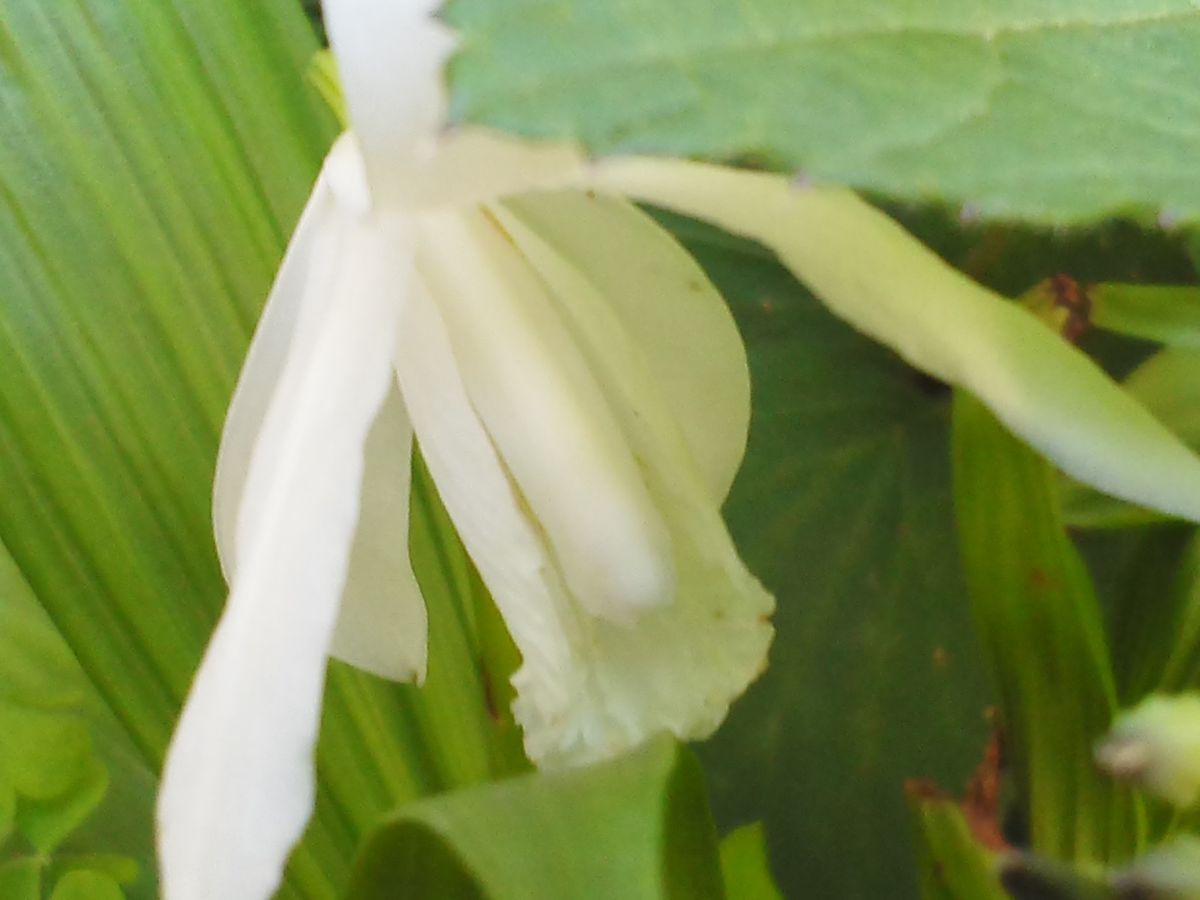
(1042, 580)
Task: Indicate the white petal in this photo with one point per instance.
(390, 55)
(548, 419)
(382, 622)
(664, 303)
(475, 165)
(588, 688)
(382, 625)
(264, 363)
(872, 273)
(238, 783)
(481, 500)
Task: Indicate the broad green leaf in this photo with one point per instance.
(843, 508)
(1053, 112)
(954, 865)
(156, 156)
(1043, 637)
(744, 867)
(637, 828)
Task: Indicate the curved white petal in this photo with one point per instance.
(663, 302)
(390, 56)
(265, 360)
(588, 688)
(238, 783)
(872, 273)
(551, 424)
(382, 624)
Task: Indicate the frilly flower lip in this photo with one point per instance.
(580, 394)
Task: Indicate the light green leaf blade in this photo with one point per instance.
(1166, 314)
(637, 827)
(744, 866)
(1053, 112)
(954, 865)
(871, 272)
(1043, 637)
(1168, 386)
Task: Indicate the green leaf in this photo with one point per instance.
(87, 886)
(843, 509)
(119, 869)
(1043, 637)
(63, 742)
(635, 828)
(744, 866)
(1056, 113)
(47, 821)
(1155, 630)
(954, 866)
(21, 879)
(1169, 315)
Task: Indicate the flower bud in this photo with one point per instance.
(1156, 745)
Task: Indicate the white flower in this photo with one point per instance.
(581, 397)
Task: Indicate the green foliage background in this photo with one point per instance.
(155, 154)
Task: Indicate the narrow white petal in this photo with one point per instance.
(664, 303)
(264, 363)
(549, 420)
(482, 501)
(238, 784)
(872, 273)
(382, 624)
(381, 627)
(588, 688)
(390, 55)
